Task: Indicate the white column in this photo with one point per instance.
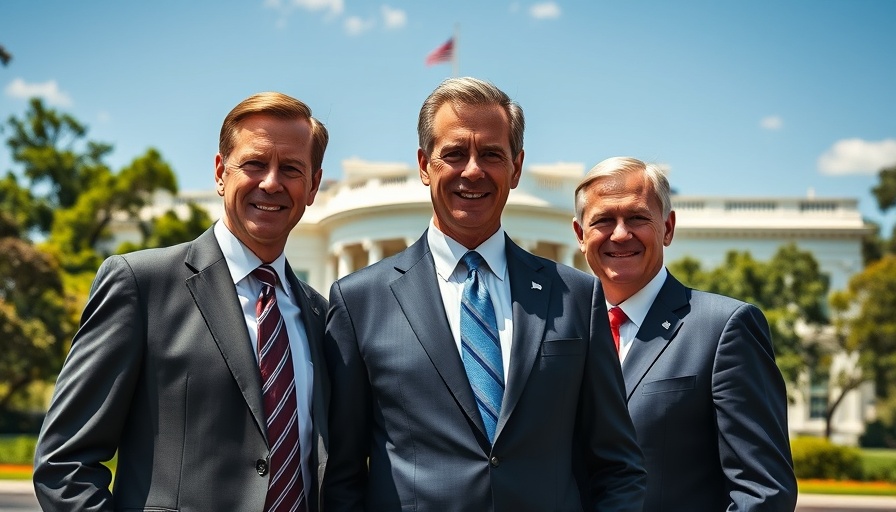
(343, 261)
(566, 255)
(527, 244)
(329, 271)
(374, 250)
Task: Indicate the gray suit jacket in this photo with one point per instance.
(402, 401)
(162, 371)
(709, 406)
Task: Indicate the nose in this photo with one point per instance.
(270, 182)
(620, 232)
(472, 171)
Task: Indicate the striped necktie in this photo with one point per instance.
(480, 345)
(286, 488)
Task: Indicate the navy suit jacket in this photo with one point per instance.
(405, 432)
(162, 371)
(709, 406)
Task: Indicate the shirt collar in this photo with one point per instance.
(637, 306)
(446, 252)
(241, 261)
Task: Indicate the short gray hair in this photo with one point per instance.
(469, 91)
(621, 166)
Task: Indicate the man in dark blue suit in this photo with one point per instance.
(707, 400)
(412, 425)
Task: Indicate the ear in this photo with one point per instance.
(670, 229)
(315, 185)
(517, 169)
(423, 164)
(580, 234)
(219, 174)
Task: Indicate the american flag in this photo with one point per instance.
(443, 53)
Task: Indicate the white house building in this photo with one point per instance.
(377, 209)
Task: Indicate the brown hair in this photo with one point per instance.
(278, 105)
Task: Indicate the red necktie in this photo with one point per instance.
(286, 489)
(617, 318)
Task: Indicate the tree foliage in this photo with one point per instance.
(77, 188)
(865, 316)
(36, 319)
(64, 198)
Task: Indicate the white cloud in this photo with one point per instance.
(857, 156)
(334, 6)
(356, 26)
(545, 10)
(771, 123)
(393, 18)
(48, 91)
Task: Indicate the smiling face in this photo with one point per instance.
(267, 181)
(470, 171)
(622, 233)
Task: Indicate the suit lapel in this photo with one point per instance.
(213, 291)
(661, 324)
(530, 294)
(420, 300)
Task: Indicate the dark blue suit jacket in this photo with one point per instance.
(709, 406)
(405, 432)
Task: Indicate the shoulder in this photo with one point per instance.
(723, 308)
(570, 276)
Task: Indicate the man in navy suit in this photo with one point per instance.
(707, 400)
(410, 428)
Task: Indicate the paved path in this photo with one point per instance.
(18, 496)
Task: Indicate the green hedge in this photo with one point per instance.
(814, 457)
(17, 449)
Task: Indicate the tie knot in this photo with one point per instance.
(472, 260)
(617, 317)
(266, 274)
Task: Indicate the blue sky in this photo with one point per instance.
(749, 98)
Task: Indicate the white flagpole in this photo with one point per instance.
(454, 52)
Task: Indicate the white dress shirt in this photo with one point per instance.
(452, 273)
(636, 308)
(241, 262)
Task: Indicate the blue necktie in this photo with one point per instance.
(480, 345)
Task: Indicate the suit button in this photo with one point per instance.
(494, 462)
(261, 466)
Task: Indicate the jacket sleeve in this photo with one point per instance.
(751, 410)
(345, 484)
(92, 396)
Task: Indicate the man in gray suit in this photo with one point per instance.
(168, 366)
(703, 390)
(468, 374)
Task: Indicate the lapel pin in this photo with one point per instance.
(316, 311)
(536, 286)
(666, 324)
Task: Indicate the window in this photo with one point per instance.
(818, 398)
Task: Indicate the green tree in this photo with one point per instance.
(80, 191)
(866, 323)
(874, 246)
(64, 196)
(36, 317)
